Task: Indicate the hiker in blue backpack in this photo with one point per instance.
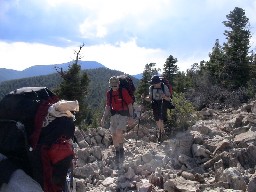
(119, 105)
(158, 94)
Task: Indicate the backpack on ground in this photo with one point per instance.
(31, 143)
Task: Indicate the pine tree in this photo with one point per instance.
(74, 86)
(170, 69)
(236, 48)
(181, 82)
(216, 63)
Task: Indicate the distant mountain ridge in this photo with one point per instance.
(38, 70)
(98, 84)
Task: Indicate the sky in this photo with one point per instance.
(124, 35)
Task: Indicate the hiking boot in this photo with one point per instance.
(117, 157)
(121, 151)
(160, 135)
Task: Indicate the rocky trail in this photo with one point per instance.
(217, 153)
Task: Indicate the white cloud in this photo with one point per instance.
(125, 56)
(22, 55)
(120, 34)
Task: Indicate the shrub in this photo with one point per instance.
(183, 115)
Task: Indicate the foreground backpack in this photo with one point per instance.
(32, 141)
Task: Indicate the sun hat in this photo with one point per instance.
(113, 81)
(155, 79)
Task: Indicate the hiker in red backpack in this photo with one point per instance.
(158, 95)
(119, 105)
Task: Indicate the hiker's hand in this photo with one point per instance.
(147, 98)
(165, 97)
(130, 121)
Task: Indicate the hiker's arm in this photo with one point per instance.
(166, 96)
(130, 118)
(106, 111)
(130, 107)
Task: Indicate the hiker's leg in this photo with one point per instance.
(119, 144)
(118, 138)
(118, 126)
(156, 113)
(158, 124)
(121, 129)
(164, 114)
(161, 125)
(113, 129)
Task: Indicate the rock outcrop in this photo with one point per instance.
(217, 153)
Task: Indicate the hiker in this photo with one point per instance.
(121, 111)
(158, 98)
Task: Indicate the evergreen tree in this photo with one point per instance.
(181, 82)
(215, 65)
(252, 65)
(251, 84)
(192, 75)
(236, 48)
(74, 86)
(170, 69)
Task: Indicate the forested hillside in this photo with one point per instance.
(97, 87)
(38, 70)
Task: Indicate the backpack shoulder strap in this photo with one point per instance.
(151, 89)
(120, 90)
(162, 87)
(110, 96)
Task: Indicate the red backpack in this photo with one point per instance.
(127, 83)
(42, 151)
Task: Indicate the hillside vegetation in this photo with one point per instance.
(96, 91)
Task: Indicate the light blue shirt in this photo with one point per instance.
(158, 92)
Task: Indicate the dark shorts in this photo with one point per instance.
(159, 110)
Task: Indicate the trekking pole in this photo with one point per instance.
(69, 185)
(161, 115)
(138, 126)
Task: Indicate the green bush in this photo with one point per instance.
(183, 115)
